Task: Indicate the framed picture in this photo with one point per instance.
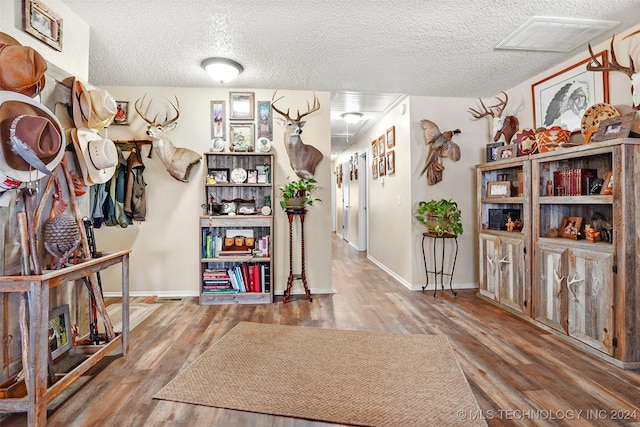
(374, 148)
(242, 137)
(252, 176)
(43, 23)
(241, 105)
(570, 227)
(374, 168)
(381, 146)
(607, 185)
(220, 175)
(122, 113)
(382, 166)
(391, 161)
(391, 137)
(263, 174)
(613, 128)
(217, 119)
(507, 152)
(265, 120)
(492, 151)
(59, 331)
(499, 189)
(562, 98)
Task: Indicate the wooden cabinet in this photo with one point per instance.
(235, 229)
(504, 260)
(584, 291)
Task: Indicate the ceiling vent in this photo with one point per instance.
(544, 33)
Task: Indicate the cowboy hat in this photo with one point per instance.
(31, 138)
(21, 67)
(97, 156)
(93, 108)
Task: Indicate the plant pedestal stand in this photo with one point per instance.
(444, 238)
(291, 214)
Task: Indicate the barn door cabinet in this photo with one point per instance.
(235, 229)
(588, 291)
(585, 292)
(504, 260)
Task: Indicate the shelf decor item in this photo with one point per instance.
(570, 227)
(499, 189)
(59, 331)
(440, 216)
(297, 194)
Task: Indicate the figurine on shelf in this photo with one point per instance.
(510, 224)
(591, 233)
(549, 188)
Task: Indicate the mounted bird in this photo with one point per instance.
(440, 145)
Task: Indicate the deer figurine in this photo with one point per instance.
(502, 126)
(303, 158)
(177, 160)
(630, 71)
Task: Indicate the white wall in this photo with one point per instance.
(166, 249)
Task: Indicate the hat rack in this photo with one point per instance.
(128, 145)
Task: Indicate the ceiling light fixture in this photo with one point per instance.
(222, 70)
(352, 117)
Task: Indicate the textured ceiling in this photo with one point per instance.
(414, 47)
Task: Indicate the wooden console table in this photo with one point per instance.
(291, 214)
(37, 289)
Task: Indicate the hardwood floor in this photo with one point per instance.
(519, 374)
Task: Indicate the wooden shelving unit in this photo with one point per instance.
(257, 223)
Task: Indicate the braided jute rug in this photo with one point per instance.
(337, 376)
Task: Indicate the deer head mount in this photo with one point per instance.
(303, 158)
(502, 126)
(177, 160)
(630, 71)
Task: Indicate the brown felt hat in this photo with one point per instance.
(21, 67)
(26, 126)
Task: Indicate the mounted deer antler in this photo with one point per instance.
(488, 111)
(177, 160)
(502, 126)
(303, 158)
(630, 71)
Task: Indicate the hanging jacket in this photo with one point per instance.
(116, 214)
(135, 202)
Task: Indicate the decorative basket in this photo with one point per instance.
(552, 138)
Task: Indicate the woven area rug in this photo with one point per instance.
(344, 377)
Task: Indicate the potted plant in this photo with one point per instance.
(440, 216)
(297, 194)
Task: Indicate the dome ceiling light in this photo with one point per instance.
(352, 117)
(222, 70)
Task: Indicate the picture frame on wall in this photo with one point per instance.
(374, 168)
(562, 98)
(59, 334)
(218, 124)
(391, 137)
(122, 113)
(241, 105)
(382, 166)
(265, 120)
(381, 146)
(43, 23)
(492, 151)
(391, 162)
(221, 175)
(374, 148)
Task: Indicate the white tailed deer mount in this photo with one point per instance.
(634, 75)
(177, 160)
(303, 158)
(502, 126)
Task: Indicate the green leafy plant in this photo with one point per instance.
(440, 216)
(300, 189)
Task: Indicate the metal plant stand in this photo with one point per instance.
(439, 272)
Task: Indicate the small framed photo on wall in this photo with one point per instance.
(218, 119)
(122, 113)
